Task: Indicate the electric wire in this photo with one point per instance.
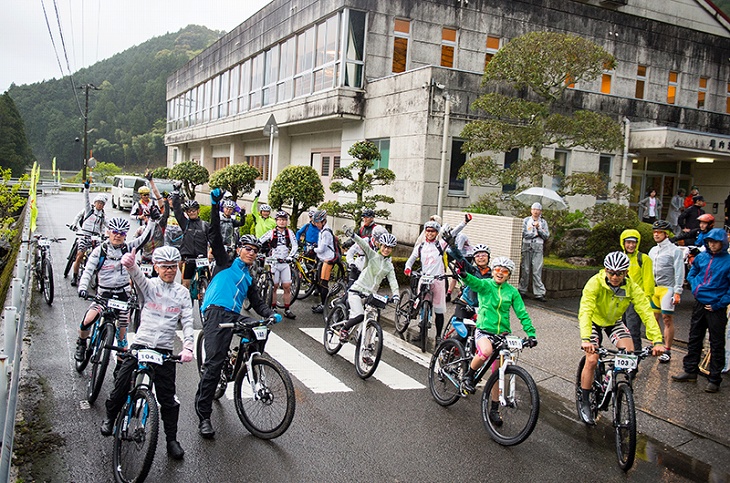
(65, 54)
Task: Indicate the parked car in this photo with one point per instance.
(123, 190)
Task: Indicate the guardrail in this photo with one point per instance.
(45, 187)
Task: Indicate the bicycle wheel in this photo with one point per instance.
(578, 394)
(264, 398)
(81, 365)
(403, 311)
(368, 349)
(99, 362)
(337, 317)
(220, 389)
(135, 437)
(518, 417)
(70, 259)
(38, 272)
(339, 272)
(296, 282)
(423, 325)
(335, 293)
(624, 423)
(448, 365)
(47, 280)
(202, 288)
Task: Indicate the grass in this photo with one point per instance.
(553, 261)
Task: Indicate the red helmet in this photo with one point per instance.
(707, 218)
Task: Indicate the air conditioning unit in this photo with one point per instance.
(615, 2)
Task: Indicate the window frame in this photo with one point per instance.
(403, 36)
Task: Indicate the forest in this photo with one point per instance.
(126, 120)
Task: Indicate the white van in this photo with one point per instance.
(123, 191)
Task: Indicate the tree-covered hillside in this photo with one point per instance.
(724, 5)
(126, 117)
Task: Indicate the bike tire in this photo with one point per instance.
(135, 317)
(339, 272)
(337, 317)
(403, 312)
(202, 289)
(624, 423)
(47, 280)
(81, 365)
(335, 292)
(519, 415)
(448, 365)
(267, 292)
(308, 281)
(426, 311)
(594, 392)
(270, 413)
(70, 259)
(220, 389)
(369, 351)
(100, 362)
(296, 281)
(38, 273)
(135, 437)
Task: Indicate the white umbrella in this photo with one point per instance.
(548, 198)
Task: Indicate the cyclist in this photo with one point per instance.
(325, 251)
(282, 244)
(308, 236)
(461, 242)
(606, 296)
(166, 302)
(231, 284)
(263, 221)
(106, 261)
(157, 239)
(496, 295)
(91, 222)
(354, 256)
(710, 280)
(641, 271)
(229, 224)
(143, 205)
(195, 232)
(696, 236)
(378, 266)
(668, 263)
(431, 253)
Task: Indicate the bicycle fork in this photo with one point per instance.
(505, 361)
(257, 383)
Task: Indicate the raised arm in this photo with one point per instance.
(215, 238)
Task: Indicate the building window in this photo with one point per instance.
(304, 63)
(702, 92)
(492, 48)
(672, 87)
(640, 81)
(727, 101)
(327, 49)
(271, 75)
(606, 80)
(510, 158)
(448, 46)
(458, 158)
(402, 32)
(257, 81)
(233, 91)
(605, 167)
(286, 70)
(384, 148)
(561, 168)
(260, 162)
(329, 163)
(355, 52)
(245, 86)
(220, 163)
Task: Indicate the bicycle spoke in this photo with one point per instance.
(512, 422)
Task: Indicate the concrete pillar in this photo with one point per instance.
(10, 320)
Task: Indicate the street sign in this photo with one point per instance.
(271, 128)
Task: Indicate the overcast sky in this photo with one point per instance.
(94, 30)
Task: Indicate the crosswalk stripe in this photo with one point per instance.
(385, 373)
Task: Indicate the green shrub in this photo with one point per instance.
(205, 213)
(605, 236)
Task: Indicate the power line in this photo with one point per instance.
(65, 54)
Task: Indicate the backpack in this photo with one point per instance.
(272, 242)
(102, 254)
(440, 249)
(335, 246)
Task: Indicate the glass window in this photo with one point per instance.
(257, 81)
(605, 167)
(448, 46)
(561, 169)
(702, 92)
(271, 74)
(223, 97)
(325, 170)
(233, 92)
(355, 49)
(400, 45)
(672, 87)
(215, 98)
(510, 158)
(640, 81)
(458, 158)
(260, 162)
(606, 80)
(727, 101)
(245, 86)
(332, 46)
(221, 163)
(492, 48)
(384, 148)
(304, 63)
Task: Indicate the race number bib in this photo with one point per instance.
(146, 269)
(149, 356)
(261, 332)
(117, 304)
(513, 342)
(625, 361)
(202, 262)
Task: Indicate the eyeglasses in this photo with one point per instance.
(249, 248)
(612, 273)
(167, 267)
(431, 231)
(120, 233)
(501, 270)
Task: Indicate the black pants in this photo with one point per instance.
(164, 377)
(702, 321)
(634, 324)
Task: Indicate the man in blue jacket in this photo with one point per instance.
(710, 281)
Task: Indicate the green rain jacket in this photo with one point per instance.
(495, 301)
(640, 272)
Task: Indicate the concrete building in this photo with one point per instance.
(333, 72)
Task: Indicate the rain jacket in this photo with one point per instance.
(641, 269)
(600, 304)
(377, 267)
(261, 225)
(668, 265)
(495, 301)
(710, 274)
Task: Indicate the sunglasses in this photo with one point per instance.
(500, 270)
(145, 195)
(249, 248)
(120, 233)
(431, 231)
(167, 267)
(612, 273)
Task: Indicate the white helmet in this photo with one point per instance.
(504, 262)
(433, 225)
(118, 224)
(388, 240)
(100, 197)
(481, 247)
(166, 254)
(616, 261)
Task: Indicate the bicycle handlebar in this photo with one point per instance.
(248, 325)
(125, 352)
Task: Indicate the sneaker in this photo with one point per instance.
(467, 386)
(205, 428)
(289, 314)
(107, 426)
(494, 417)
(712, 387)
(344, 335)
(174, 450)
(318, 309)
(665, 358)
(541, 299)
(685, 377)
(80, 354)
(75, 280)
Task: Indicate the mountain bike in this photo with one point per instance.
(368, 334)
(417, 302)
(43, 265)
(304, 276)
(263, 391)
(102, 334)
(512, 386)
(71, 258)
(137, 426)
(612, 389)
(201, 279)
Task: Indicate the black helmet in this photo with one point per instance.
(368, 213)
(319, 216)
(661, 225)
(249, 240)
(191, 205)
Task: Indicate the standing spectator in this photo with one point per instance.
(641, 271)
(688, 220)
(710, 281)
(668, 267)
(692, 193)
(534, 233)
(676, 207)
(695, 237)
(652, 207)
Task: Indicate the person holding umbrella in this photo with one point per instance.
(534, 233)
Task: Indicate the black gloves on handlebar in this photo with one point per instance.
(532, 341)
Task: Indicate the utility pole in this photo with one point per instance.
(86, 87)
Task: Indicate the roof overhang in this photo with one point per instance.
(671, 144)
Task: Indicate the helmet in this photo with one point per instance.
(661, 225)
(118, 224)
(482, 248)
(264, 208)
(378, 231)
(504, 262)
(617, 261)
(249, 240)
(143, 190)
(433, 225)
(707, 218)
(388, 240)
(367, 212)
(282, 214)
(165, 254)
(228, 204)
(191, 205)
(312, 212)
(100, 197)
(319, 216)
